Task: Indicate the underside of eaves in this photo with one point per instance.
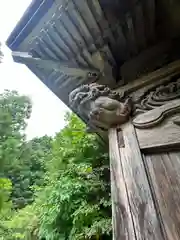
(67, 43)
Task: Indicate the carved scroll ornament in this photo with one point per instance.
(156, 116)
(157, 105)
(157, 97)
(102, 107)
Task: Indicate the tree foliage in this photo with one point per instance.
(14, 110)
(60, 186)
(77, 204)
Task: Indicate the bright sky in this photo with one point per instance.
(48, 111)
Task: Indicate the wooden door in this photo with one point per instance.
(158, 134)
(145, 175)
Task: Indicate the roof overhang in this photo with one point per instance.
(66, 43)
(61, 42)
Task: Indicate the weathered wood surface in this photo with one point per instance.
(161, 137)
(142, 207)
(121, 216)
(132, 186)
(164, 171)
(152, 184)
(157, 115)
(158, 77)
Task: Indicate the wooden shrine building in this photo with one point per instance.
(116, 64)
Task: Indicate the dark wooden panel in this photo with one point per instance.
(130, 34)
(148, 60)
(145, 220)
(138, 87)
(149, 12)
(164, 170)
(139, 26)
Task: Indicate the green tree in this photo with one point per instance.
(29, 173)
(60, 186)
(5, 191)
(76, 201)
(39, 154)
(22, 164)
(14, 111)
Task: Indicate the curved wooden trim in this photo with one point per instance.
(156, 116)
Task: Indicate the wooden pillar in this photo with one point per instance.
(133, 211)
(121, 216)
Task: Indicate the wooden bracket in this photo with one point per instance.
(106, 69)
(66, 67)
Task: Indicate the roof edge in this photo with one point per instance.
(34, 13)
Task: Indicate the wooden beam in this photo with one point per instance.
(62, 66)
(121, 215)
(157, 77)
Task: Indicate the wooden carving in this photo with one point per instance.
(155, 116)
(157, 104)
(157, 97)
(102, 107)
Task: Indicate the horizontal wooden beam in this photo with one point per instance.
(67, 68)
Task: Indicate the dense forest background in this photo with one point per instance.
(51, 188)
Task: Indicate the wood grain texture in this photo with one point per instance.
(157, 115)
(164, 171)
(121, 216)
(142, 207)
(161, 137)
(142, 84)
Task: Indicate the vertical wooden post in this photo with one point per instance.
(133, 211)
(121, 216)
